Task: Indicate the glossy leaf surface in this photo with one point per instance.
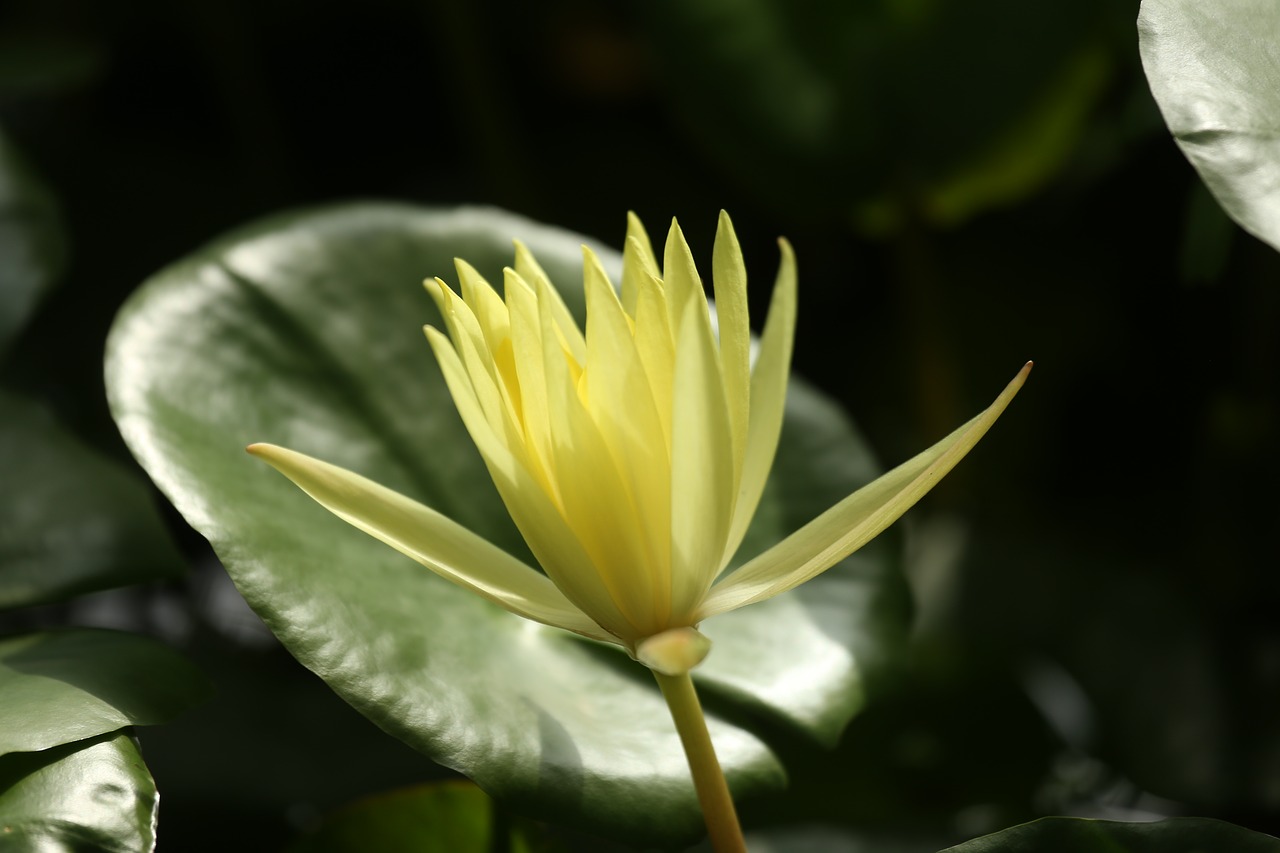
(73, 520)
(1214, 69)
(63, 686)
(1079, 835)
(305, 331)
(91, 795)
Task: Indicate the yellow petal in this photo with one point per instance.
(491, 440)
(854, 521)
(768, 398)
(729, 277)
(611, 587)
(536, 512)
(526, 343)
(622, 408)
(703, 490)
(638, 263)
(655, 343)
(680, 279)
(471, 347)
(531, 271)
(495, 325)
(439, 543)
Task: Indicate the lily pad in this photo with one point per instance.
(305, 331)
(1214, 69)
(94, 794)
(1080, 835)
(71, 520)
(63, 686)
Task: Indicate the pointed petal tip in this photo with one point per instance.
(437, 290)
(266, 452)
(1018, 380)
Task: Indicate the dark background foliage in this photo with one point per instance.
(1096, 630)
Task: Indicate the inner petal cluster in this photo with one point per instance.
(628, 456)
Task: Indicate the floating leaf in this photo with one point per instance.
(91, 795)
(1214, 69)
(305, 330)
(63, 686)
(71, 520)
(1080, 835)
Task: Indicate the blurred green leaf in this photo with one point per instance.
(91, 796)
(71, 520)
(451, 817)
(63, 686)
(1214, 69)
(1079, 835)
(883, 111)
(36, 63)
(304, 330)
(32, 244)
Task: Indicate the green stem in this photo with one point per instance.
(708, 778)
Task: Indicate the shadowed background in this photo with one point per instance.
(965, 189)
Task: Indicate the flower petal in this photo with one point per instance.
(437, 542)
(638, 263)
(535, 510)
(703, 488)
(531, 271)
(526, 345)
(589, 484)
(622, 407)
(680, 280)
(729, 277)
(768, 398)
(473, 350)
(656, 345)
(854, 521)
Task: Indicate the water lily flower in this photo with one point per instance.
(632, 457)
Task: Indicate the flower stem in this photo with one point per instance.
(708, 778)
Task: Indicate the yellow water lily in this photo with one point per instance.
(632, 457)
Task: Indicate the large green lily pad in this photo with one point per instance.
(305, 330)
(63, 686)
(1214, 69)
(91, 795)
(74, 521)
(1080, 835)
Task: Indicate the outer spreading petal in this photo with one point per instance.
(437, 542)
(854, 521)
